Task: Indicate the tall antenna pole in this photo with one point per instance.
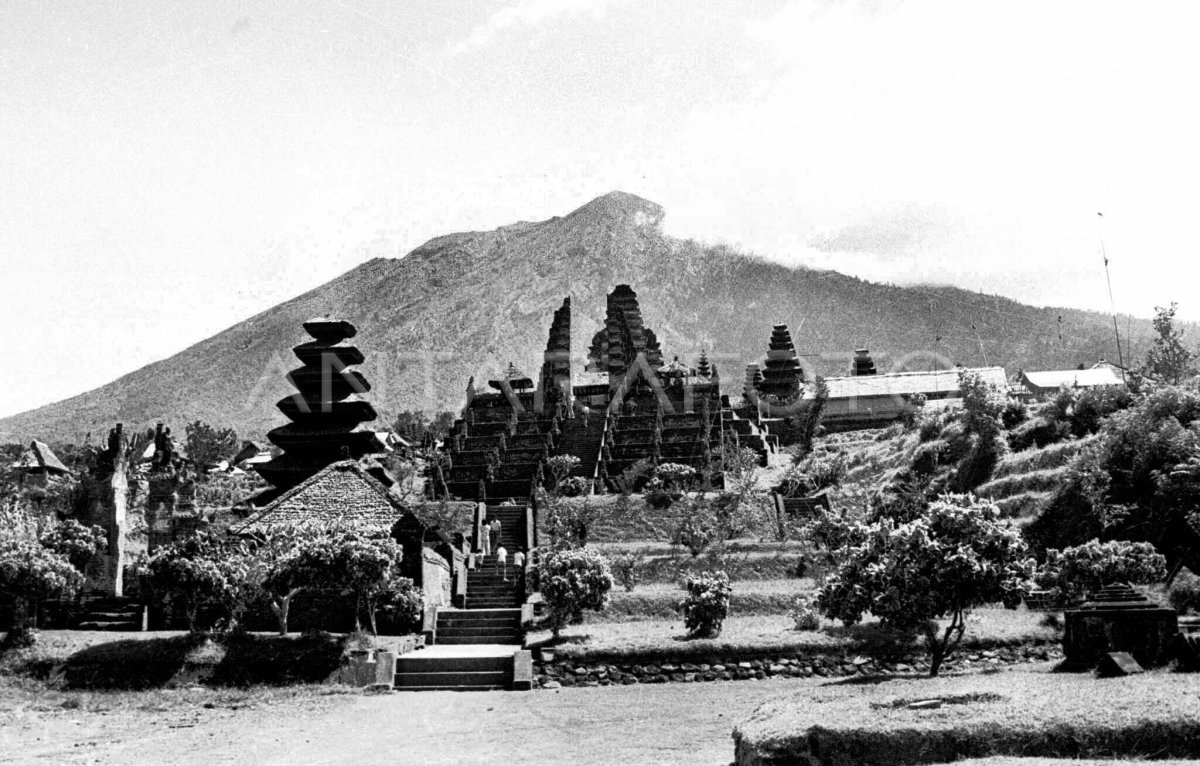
(1112, 304)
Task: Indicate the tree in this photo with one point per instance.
(1168, 360)
(706, 605)
(573, 579)
(207, 445)
(366, 568)
(560, 468)
(958, 556)
(35, 562)
(188, 574)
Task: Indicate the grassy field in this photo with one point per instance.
(1013, 713)
(771, 634)
(754, 597)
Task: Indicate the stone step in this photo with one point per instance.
(476, 618)
(459, 640)
(479, 631)
(499, 612)
(454, 679)
(424, 662)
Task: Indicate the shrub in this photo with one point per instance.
(956, 557)
(675, 475)
(1014, 413)
(1184, 594)
(189, 575)
(706, 605)
(571, 580)
(560, 467)
(804, 614)
(624, 567)
(403, 602)
(574, 486)
(695, 533)
(1095, 564)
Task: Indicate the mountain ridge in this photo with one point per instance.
(466, 304)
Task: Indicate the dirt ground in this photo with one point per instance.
(642, 724)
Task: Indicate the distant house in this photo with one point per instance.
(1047, 382)
(251, 454)
(39, 460)
(345, 494)
(873, 400)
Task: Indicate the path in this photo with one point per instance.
(661, 724)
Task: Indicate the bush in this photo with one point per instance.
(574, 486)
(625, 569)
(1184, 594)
(404, 603)
(675, 475)
(1014, 413)
(571, 580)
(804, 614)
(706, 605)
(695, 533)
(1095, 564)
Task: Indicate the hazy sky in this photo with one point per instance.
(169, 168)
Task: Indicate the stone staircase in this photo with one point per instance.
(110, 613)
(583, 442)
(479, 647)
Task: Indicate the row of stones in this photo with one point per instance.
(553, 675)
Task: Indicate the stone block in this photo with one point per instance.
(522, 671)
(1116, 664)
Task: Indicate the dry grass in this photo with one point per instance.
(753, 597)
(1045, 480)
(1014, 713)
(1053, 456)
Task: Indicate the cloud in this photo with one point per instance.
(882, 233)
(522, 14)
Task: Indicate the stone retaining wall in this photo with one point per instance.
(553, 675)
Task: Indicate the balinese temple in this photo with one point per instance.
(625, 407)
(327, 412)
(704, 368)
(782, 375)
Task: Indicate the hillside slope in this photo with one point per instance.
(467, 304)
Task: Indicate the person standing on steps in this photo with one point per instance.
(519, 566)
(502, 558)
(485, 539)
(494, 533)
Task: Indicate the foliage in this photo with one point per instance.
(403, 602)
(207, 445)
(366, 568)
(566, 524)
(804, 614)
(675, 476)
(740, 466)
(572, 580)
(625, 568)
(560, 468)
(1095, 564)
(706, 605)
(1013, 414)
(1168, 360)
(958, 556)
(188, 574)
(75, 542)
(1184, 593)
(632, 477)
(820, 470)
(1139, 481)
(695, 531)
(1037, 432)
(805, 424)
(417, 428)
(574, 486)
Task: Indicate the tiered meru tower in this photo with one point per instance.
(556, 362)
(782, 376)
(624, 335)
(326, 411)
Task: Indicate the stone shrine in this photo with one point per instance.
(1119, 619)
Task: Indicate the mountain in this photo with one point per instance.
(467, 304)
